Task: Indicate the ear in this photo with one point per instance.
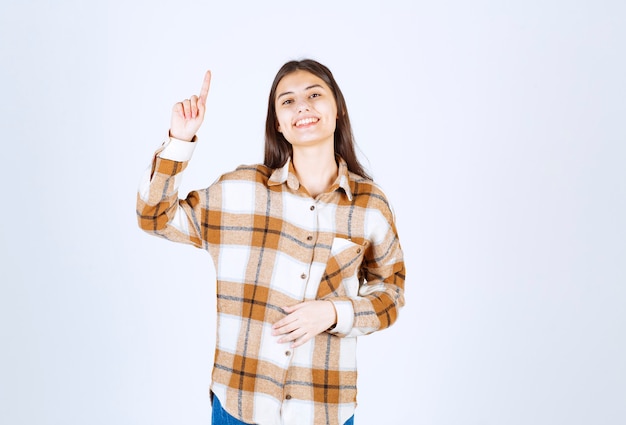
(278, 128)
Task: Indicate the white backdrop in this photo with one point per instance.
(496, 129)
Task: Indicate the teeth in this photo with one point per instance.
(306, 121)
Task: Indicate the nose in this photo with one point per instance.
(302, 105)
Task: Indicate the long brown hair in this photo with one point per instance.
(278, 149)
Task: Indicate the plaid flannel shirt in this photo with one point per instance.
(274, 245)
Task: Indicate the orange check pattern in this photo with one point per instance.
(273, 245)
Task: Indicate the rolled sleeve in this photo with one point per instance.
(345, 317)
(177, 150)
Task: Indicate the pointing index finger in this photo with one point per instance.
(204, 91)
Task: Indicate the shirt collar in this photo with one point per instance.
(287, 174)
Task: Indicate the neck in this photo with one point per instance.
(316, 168)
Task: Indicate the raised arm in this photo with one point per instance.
(159, 210)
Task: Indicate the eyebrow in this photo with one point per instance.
(290, 92)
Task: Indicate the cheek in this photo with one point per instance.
(280, 125)
(283, 120)
(332, 110)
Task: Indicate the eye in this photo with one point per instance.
(287, 102)
(315, 95)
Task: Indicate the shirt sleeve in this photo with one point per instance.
(381, 293)
(159, 211)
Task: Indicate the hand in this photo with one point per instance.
(304, 321)
(187, 116)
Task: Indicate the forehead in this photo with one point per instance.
(298, 81)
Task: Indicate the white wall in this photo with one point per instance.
(496, 128)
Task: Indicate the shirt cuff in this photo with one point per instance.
(177, 150)
(345, 317)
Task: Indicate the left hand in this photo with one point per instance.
(304, 321)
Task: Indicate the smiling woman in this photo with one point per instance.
(306, 114)
(306, 110)
(306, 251)
(277, 148)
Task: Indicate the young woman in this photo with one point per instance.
(305, 249)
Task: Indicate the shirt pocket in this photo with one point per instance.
(341, 276)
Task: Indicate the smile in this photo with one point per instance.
(306, 121)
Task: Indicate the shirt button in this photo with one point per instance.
(287, 353)
(309, 238)
(358, 251)
(288, 396)
(312, 207)
(303, 276)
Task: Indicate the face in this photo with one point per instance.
(305, 109)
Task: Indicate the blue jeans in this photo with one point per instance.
(219, 416)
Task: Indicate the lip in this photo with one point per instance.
(306, 121)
